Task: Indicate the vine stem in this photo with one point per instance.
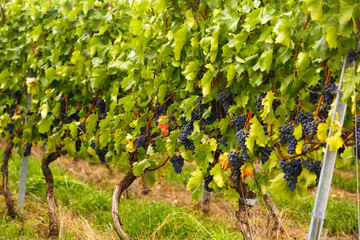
(279, 151)
(300, 40)
(88, 113)
(298, 110)
(156, 168)
(320, 99)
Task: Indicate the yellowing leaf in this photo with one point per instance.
(196, 179)
(315, 8)
(218, 176)
(298, 132)
(180, 38)
(331, 36)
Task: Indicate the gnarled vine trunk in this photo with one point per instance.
(50, 198)
(243, 214)
(119, 189)
(5, 176)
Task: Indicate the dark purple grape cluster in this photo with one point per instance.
(241, 137)
(291, 169)
(353, 56)
(67, 119)
(10, 128)
(140, 141)
(221, 141)
(225, 98)
(177, 163)
(307, 123)
(357, 135)
(276, 103)
(78, 145)
(162, 109)
(259, 99)
(236, 161)
(43, 136)
(328, 93)
(201, 74)
(238, 121)
(265, 153)
(93, 145)
(27, 151)
(62, 105)
(268, 77)
(207, 182)
(313, 166)
(314, 94)
(17, 95)
(101, 153)
(101, 108)
(185, 131)
(286, 136)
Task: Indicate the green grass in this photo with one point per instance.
(341, 216)
(348, 184)
(141, 218)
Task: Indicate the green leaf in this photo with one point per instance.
(91, 123)
(240, 39)
(268, 113)
(206, 83)
(266, 60)
(214, 46)
(195, 180)
(256, 134)
(104, 137)
(283, 32)
(223, 125)
(36, 33)
(69, 146)
(303, 61)
(44, 125)
(351, 79)
(331, 36)
(230, 74)
(218, 175)
(139, 167)
(162, 93)
(346, 10)
(44, 109)
(191, 70)
(315, 8)
(180, 39)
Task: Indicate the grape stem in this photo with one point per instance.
(156, 168)
(87, 115)
(300, 40)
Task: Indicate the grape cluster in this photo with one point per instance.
(313, 166)
(238, 121)
(62, 105)
(186, 130)
(101, 108)
(10, 128)
(17, 95)
(314, 95)
(265, 154)
(241, 137)
(101, 153)
(177, 163)
(78, 145)
(236, 161)
(27, 151)
(353, 56)
(291, 169)
(259, 99)
(307, 122)
(140, 141)
(328, 93)
(357, 135)
(286, 136)
(268, 77)
(43, 136)
(225, 98)
(207, 182)
(201, 74)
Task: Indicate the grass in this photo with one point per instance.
(340, 218)
(88, 209)
(349, 183)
